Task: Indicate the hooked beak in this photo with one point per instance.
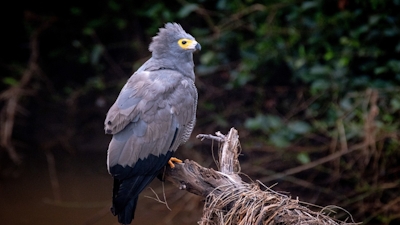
(194, 46)
(198, 47)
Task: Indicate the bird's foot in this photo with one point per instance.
(173, 160)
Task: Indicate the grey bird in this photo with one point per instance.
(154, 113)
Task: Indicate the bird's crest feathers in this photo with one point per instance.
(170, 33)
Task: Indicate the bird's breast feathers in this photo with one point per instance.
(154, 114)
(149, 91)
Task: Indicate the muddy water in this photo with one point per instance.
(83, 195)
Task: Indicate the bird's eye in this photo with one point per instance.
(184, 43)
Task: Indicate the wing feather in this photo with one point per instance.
(149, 116)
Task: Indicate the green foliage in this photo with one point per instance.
(333, 53)
(280, 134)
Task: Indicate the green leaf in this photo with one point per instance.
(391, 32)
(75, 11)
(394, 65)
(114, 6)
(374, 19)
(298, 63)
(96, 53)
(220, 120)
(10, 81)
(329, 55)
(397, 48)
(155, 10)
(309, 5)
(272, 121)
(88, 31)
(346, 104)
(121, 23)
(343, 61)
(84, 58)
(222, 4)
(279, 140)
(207, 57)
(254, 123)
(303, 158)
(395, 103)
(266, 123)
(187, 9)
(320, 85)
(299, 127)
(380, 70)
(319, 70)
(209, 106)
(96, 82)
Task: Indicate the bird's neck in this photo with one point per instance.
(185, 64)
(182, 63)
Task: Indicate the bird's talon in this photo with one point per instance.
(173, 160)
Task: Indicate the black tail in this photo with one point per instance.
(127, 215)
(125, 196)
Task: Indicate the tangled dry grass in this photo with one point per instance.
(229, 200)
(250, 204)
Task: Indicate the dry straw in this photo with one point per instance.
(249, 205)
(230, 201)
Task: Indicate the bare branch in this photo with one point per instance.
(12, 95)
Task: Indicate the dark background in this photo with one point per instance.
(312, 86)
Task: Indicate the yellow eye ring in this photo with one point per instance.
(185, 43)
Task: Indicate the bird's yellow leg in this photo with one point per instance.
(173, 160)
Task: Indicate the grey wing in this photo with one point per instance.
(149, 116)
(184, 104)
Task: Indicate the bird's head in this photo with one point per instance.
(172, 39)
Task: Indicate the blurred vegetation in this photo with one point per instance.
(312, 86)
